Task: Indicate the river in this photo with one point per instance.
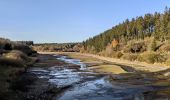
(88, 85)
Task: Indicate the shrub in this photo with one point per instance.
(114, 43)
(117, 54)
(135, 47)
(63, 47)
(5, 44)
(24, 48)
(151, 57)
(16, 55)
(153, 45)
(91, 49)
(109, 50)
(102, 53)
(131, 57)
(10, 62)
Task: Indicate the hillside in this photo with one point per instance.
(144, 38)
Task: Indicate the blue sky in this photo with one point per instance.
(68, 20)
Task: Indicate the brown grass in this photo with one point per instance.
(151, 57)
(165, 47)
(16, 55)
(10, 62)
(112, 69)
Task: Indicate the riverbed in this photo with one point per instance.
(85, 84)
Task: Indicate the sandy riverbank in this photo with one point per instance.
(142, 66)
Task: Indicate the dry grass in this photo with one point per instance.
(165, 47)
(85, 59)
(117, 54)
(113, 69)
(151, 57)
(10, 62)
(16, 55)
(167, 62)
(17, 58)
(9, 70)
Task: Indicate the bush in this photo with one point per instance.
(109, 50)
(24, 48)
(5, 44)
(151, 57)
(117, 54)
(153, 45)
(63, 47)
(11, 62)
(131, 57)
(135, 47)
(16, 55)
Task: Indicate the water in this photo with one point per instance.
(88, 85)
(73, 61)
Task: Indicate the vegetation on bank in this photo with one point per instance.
(144, 38)
(55, 47)
(14, 58)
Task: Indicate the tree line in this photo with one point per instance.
(155, 25)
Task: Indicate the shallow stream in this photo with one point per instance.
(87, 85)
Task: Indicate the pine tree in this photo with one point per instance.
(151, 25)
